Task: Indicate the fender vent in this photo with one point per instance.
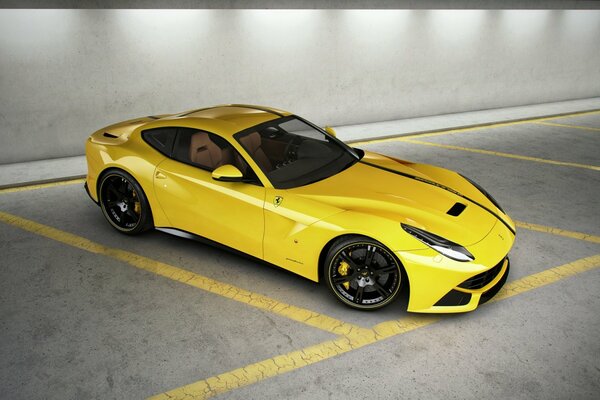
(110, 135)
(456, 209)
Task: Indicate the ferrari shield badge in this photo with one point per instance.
(277, 201)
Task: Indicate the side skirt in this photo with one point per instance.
(203, 240)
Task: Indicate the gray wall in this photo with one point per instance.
(65, 73)
(300, 4)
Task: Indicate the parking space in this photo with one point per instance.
(81, 325)
(590, 120)
(548, 142)
(86, 311)
(70, 208)
(535, 346)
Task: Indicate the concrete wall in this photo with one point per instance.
(307, 4)
(65, 73)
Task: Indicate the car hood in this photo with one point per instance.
(383, 186)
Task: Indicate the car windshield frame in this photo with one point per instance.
(289, 159)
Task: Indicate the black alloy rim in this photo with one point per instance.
(121, 202)
(365, 274)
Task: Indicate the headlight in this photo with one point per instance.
(485, 193)
(439, 244)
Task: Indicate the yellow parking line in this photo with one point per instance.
(507, 155)
(557, 231)
(471, 128)
(435, 133)
(311, 318)
(42, 185)
(261, 370)
(281, 364)
(585, 128)
(547, 277)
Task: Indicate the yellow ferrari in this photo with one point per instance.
(272, 185)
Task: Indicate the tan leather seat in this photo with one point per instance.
(206, 153)
(252, 144)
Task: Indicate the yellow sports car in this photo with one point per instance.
(270, 184)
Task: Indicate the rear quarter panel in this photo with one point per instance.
(133, 156)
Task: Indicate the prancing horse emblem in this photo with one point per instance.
(277, 201)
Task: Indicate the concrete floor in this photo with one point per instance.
(75, 324)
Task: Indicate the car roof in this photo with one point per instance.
(229, 119)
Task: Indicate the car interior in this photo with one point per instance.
(207, 151)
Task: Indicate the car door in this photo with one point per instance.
(230, 213)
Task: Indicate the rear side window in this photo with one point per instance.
(161, 139)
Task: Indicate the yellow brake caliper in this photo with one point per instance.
(137, 207)
(343, 270)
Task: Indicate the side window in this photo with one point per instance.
(161, 139)
(208, 151)
(181, 150)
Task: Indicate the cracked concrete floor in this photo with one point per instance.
(81, 325)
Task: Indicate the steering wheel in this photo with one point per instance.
(288, 154)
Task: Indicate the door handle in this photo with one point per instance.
(160, 175)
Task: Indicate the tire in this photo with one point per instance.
(362, 273)
(124, 203)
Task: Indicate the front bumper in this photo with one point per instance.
(441, 285)
(470, 297)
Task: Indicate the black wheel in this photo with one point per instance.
(362, 273)
(124, 203)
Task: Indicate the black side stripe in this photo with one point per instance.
(444, 187)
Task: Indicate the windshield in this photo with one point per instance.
(292, 152)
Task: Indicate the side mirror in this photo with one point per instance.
(227, 173)
(331, 131)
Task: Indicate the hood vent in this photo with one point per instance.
(456, 209)
(110, 135)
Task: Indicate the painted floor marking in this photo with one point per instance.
(557, 231)
(585, 128)
(547, 277)
(500, 154)
(298, 314)
(281, 364)
(433, 134)
(42, 185)
(479, 127)
(351, 336)
(294, 360)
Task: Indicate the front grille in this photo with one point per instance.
(482, 279)
(454, 298)
(485, 297)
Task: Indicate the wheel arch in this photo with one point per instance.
(351, 238)
(332, 241)
(325, 250)
(106, 171)
(145, 178)
(112, 168)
